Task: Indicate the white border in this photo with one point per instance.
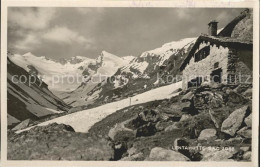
(129, 3)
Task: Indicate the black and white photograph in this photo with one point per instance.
(129, 84)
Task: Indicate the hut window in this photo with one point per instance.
(202, 53)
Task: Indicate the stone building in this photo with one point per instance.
(225, 57)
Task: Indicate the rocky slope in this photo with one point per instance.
(29, 100)
(211, 123)
(188, 127)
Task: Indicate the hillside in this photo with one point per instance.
(27, 100)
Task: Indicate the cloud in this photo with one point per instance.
(30, 18)
(64, 35)
(183, 14)
(28, 42)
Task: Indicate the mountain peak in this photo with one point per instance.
(28, 54)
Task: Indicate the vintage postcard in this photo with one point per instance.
(129, 83)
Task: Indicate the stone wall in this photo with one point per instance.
(236, 65)
(244, 66)
(204, 68)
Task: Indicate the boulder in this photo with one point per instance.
(188, 97)
(171, 128)
(149, 116)
(248, 93)
(146, 130)
(221, 155)
(241, 88)
(24, 124)
(213, 118)
(143, 118)
(235, 98)
(235, 140)
(187, 107)
(245, 149)
(185, 117)
(247, 156)
(234, 121)
(160, 126)
(181, 146)
(245, 132)
(161, 154)
(207, 134)
(248, 120)
(120, 133)
(175, 108)
(216, 101)
(134, 157)
(58, 142)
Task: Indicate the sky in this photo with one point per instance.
(65, 32)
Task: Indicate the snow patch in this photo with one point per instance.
(82, 121)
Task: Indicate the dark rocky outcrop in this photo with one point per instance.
(57, 142)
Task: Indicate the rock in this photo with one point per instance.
(187, 107)
(188, 97)
(207, 134)
(221, 155)
(212, 117)
(161, 154)
(180, 145)
(240, 89)
(245, 149)
(132, 151)
(216, 101)
(143, 118)
(149, 116)
(235, 140)
(185, 117)
(248, 93)
(245, 132)
(166, 117)
(171, 128)
(234, 121)
(24, 124)
(146, 130)
(236, 98)
(58, 142)
(247, 156)
(120, 133)
(160, 126)
(119, 146)
(134, 157)
(248, 121)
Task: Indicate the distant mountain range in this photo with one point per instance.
(126, 75)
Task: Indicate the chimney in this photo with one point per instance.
(213, 27)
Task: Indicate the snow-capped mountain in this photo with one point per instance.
(66, 75)
(57, 75)
(139, 75)
(26, 99)
(105, 66)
